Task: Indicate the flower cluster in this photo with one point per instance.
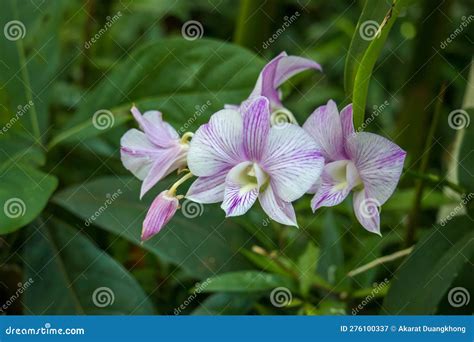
(244, 153)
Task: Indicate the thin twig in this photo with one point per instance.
(380, 261)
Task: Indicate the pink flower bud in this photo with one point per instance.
(160, 213)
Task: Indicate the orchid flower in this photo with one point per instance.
(154, 152)
(239, 157)
(273, 75)
(365, 163)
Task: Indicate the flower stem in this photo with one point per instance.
(172, 190)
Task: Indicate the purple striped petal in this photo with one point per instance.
(366, 209)
(292, 160)
(277, 209)
(347, 122)
(164, 163)
(324, 126)
(137, 153)
(208, 189)
(241, 191)
(256, 116)
(158, 131)
(217, 145)
(379, 163)
(336, 182)
(276, 72)
(160, 213)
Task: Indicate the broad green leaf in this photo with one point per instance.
(248, 281)
(186, 80)
(219, 304)
(202, 245)
(24, 192)
(372, 30)
(307, 264)
(424, 278)
(69, 275)
(30, 59)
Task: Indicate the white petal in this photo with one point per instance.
(136, 153)
(217, 144)
(335, 184)
(292, 161)
(208, 189)
(366, 210)
(239, 194)
(277, 209)
(379, 163)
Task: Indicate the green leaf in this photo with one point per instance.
(70, 275)
(23, 195)
(226, 304)
(265, 262)
(30, 60)
(248, 281)
(424, 278)
(466, 159)
(307, 264)
(186, 80)
(202, 246)
(372, 30)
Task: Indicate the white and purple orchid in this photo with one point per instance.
(273, 75)
(365, 163)
(154, 152)
(239, 157)
(242, 155)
